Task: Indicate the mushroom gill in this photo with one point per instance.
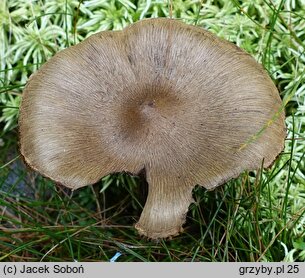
(172, 99)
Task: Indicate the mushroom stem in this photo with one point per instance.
(166, 206)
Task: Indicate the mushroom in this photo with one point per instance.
(175, 100)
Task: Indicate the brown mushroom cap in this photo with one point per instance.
(172, 99)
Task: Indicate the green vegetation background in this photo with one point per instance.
(258, 217)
